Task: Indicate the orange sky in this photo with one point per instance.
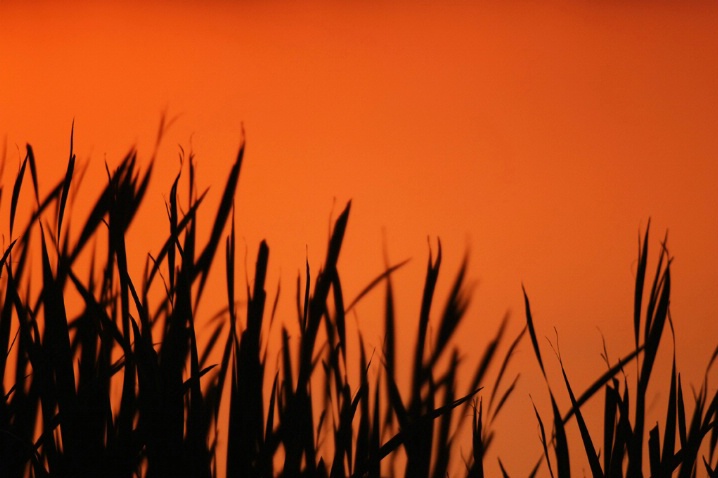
(541, 137)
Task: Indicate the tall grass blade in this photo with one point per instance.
(654, 452)
(682, 433)
(640, 278)
(33, 171)
(16, 193)
(487, 358)
(206, 257)
(66, 185)
(443, 444)
(372, 285)
(669, 435)
(544, 441)
(504, 397)
(593, 461)
(389, 347)
(56, 348)
(477, 470)
(502, 370)
(419, 373)
(563, 465)
(532, 331)
(610, 407)
(340, 316)
(454, 310)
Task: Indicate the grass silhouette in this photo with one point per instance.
(624, 430)
(123, 389)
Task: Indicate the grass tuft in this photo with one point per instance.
(105, 375)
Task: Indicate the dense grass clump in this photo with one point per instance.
(123, 388)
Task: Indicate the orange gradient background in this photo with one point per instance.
(539, 136)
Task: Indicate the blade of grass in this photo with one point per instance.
(372, 285)
(66, 184)
(593, 461)
(544, 441)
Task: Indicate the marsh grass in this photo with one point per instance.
(122, 388)
(674, 445)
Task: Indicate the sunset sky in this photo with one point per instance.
(538, 136)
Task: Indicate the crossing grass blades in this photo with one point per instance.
(123, 389)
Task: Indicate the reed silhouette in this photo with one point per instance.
(123, 389)
(624, 427)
